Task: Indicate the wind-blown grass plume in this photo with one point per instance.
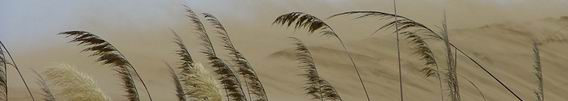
(204, 86)
(3, 76)
(183, 53)
(108, 54)
(405, 24)
(313, 24)
(186, 68)
(538, 72)
(73, 85)
(253, 83)
(179, 88)
(13, 64)
(316, 86)
(195, 81)
(47, 93)
(227, 77)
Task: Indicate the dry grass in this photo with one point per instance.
(317, 87)
(108, 54)
(227, 77)
(245, 69)
(452, 75)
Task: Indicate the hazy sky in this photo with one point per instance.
(29, 26)
(27, 22)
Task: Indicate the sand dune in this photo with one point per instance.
(504, 48)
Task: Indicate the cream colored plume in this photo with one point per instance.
(72, 85)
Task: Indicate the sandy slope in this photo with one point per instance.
(503, 48)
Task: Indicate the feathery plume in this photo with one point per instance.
(73, 85)
(316, 86)
(108, 54)
(227, 77)
(244, 68)
(179, 88)
(202, 85)
(313, 24)
(46, 91)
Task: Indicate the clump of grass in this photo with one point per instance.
(316, 86)
(227, 77)
(313, 24)
(5, 64)
(73, 85)
(108, 54)
(251, 80)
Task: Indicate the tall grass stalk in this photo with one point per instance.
(313, 24)
(3, 75)
(316, 86)
(196, 82)
(73, 85)
(245, 68)
(108, 54)
(13, 63)
(452, 70)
